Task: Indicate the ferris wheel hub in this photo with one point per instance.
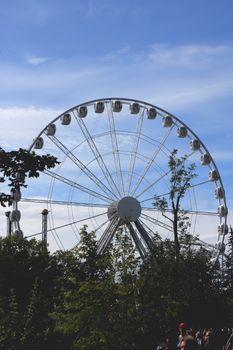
(127, 209)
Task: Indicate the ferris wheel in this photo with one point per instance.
(114, 155)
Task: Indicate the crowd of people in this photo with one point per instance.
(201, 339)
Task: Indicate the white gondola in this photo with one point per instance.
(18, 233)
(222, 210)
(167, 121)
(218, 193)
(205, 159)
(151, 113)
(99, 107)
(195, 144)
(223, 229)
(213, 175)
(50, 130)
(65, 119)
(82, 111)
(134, 108)
(117, 106)
(39, 143)
(15, 215)
(182, 131)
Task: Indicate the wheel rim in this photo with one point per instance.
(111, 155)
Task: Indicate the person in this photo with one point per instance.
(189, 343)
(182, 332)
(199, 338)
(208, 339)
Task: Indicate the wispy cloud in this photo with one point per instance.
(163, 76)
(116, 55)
(192, 56)
(36, 60)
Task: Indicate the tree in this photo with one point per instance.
(29, 286)
(99, 310)
(16, 166)
(180, 181)
(82, 306)
(186, 290)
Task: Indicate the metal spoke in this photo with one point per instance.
(77, 186)
(153, 183)
(168, 227)
(57, 240)
(97, 155)
(168, 193)
(200, 183)
(186, 211)
(157, 222)
(156, 152)
(147, 227)
(135, 150)
(101, 225)
(49, 201)
(162, 176)
(152, 198)
(82, 166)
(107, 235)
(137, 241)
(144, 234)
(69, 224)
(115, 149)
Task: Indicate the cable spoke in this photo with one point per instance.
(200, 183)
(152, 198)
(97, 155)
(186, 211)
(101, 225)
(153, 183)
(76, 185)
(57, 240)
(168, 193)
(169, 228)
(147, 227)
(66, 225)
(157, 222)
(49, 201)
(134, 150)
(81, 166)
(155, 154)
(115, 149)
(165, 174)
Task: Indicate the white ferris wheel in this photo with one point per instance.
(113, 155)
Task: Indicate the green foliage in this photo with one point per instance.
(28, 291)
(81, 300)
(16, 166)
(181, 178)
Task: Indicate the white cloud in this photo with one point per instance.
(36, 60)
(186, 92)
(19, 125)
(191, 56)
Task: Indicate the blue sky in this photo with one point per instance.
(176, 54)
